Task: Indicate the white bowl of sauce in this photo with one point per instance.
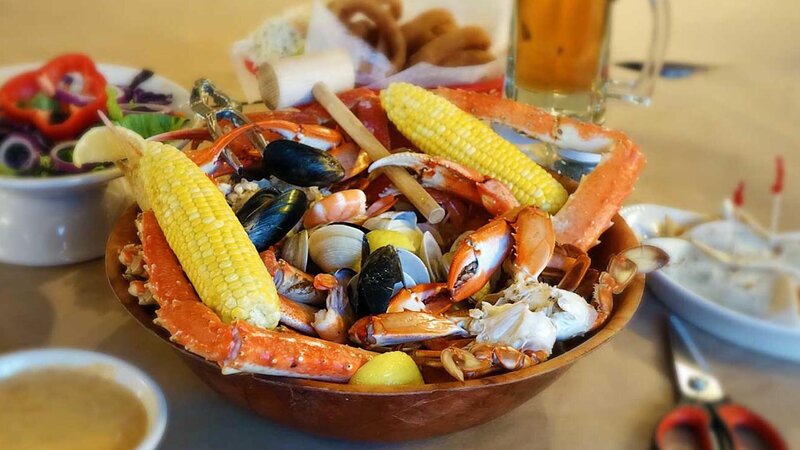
(64, 399)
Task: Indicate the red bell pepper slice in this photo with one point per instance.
(26, 85)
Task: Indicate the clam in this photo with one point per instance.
(384, 273)
(431, 255)
(300, 164)
(337, 246)
(295, 250)
(270, 218)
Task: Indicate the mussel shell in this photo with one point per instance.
(271, 221)
(380, 278)
(337, 246)
(301, 164)
(256, 201)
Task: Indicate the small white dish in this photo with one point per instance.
(65, 219)
(736, 327)
(124, 374)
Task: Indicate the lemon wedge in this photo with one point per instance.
(380, 238)
(102, 144)
(388, 369)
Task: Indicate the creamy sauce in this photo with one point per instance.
(68, 409)
(754, 286)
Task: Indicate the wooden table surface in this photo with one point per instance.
(702, 135)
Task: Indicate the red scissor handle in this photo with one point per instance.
(737, 416)
(700, 422)
(694, 417)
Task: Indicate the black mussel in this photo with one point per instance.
(380, 278)
(276, 216)
(259, 199)
(300, 164)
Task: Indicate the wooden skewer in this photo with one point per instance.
(402, 180)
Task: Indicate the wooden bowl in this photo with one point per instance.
(385, 414)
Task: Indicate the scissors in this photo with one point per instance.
(703, 406)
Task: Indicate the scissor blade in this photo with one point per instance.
(691, 370)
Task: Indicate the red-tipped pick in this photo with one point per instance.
(777, 187)
(738, 195)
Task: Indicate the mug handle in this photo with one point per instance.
(640, 89)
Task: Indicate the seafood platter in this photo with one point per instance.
(375, 251)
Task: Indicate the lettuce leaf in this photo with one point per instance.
(151, 124)
(114, 111)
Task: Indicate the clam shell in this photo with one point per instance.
(295, 250)
(387, 220)
(414, 270)
(336, 246)
(431, 255)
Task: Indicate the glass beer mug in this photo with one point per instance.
(559, 57)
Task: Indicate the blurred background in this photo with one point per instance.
(694, 131)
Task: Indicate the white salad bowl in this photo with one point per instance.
(65, 219)
(124, 374)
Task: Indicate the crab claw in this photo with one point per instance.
(448, 176)
(535, 240)
(481, 359)
(402, 327)
(427, 297)
(478, 257)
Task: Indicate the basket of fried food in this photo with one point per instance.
(429, 43)
(306, 286)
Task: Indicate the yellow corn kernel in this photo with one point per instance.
(210, 243)
(440, 128)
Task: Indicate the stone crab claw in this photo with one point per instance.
(445, 175)
(483, 251)
(477, 360)
(480, 254)
(433, 298)
(383, 330)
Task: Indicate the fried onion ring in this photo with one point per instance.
(439, 49)
(472, 57)
(385, 23)
(426, 27)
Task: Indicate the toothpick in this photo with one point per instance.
(777, 196)
(738, 200)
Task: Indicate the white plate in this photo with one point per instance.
(126, 375)
(66, 219)
(747, 331)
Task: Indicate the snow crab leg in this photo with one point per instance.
(237, 346)
(590, 209)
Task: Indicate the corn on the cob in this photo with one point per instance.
(207, 238)
(440, 128)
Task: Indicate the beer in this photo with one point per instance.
(559, 56)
